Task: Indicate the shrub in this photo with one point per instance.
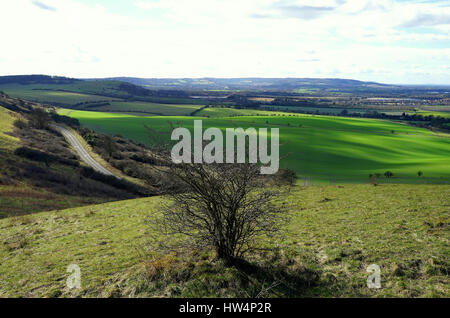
(73, 122)
(224, 207)
(112, 181)
(142, 158)
(287, 176)
(35, 155)
(21, 124)
(39, 119)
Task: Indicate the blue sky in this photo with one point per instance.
(389, 41)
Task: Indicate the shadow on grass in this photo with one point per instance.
(202, 275)
(278, 279)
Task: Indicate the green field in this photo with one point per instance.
(40, 94)
(338, 110)
(323, 148)
(143, 108)
(335, 233)
(434, 113)
(65, 95)
(231, 112)
(73, 95)
(83, 87)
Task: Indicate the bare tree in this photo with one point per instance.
(221, 206)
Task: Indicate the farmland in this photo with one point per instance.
(143, 108)
(106, 96)
(444, 114)
(324, 148)
(50, 94)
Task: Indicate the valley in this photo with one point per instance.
(346, 212)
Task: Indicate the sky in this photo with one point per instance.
(388, 41)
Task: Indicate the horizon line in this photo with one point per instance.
(238, 77)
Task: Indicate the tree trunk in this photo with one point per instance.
(223, 254)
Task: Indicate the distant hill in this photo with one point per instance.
(32, 87)
(36, 79)
(250, 83)
(179, 90)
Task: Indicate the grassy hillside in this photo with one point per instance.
(6, 125)
(321, 147)
(29, 186)
(19, 197)
(335, 233)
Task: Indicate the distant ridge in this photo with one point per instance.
(248, 83)
(174, 86)
(36, 79)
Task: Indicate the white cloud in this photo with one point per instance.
(360, 39)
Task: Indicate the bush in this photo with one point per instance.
(112, 181)
(223, 207)
(36, 155)
(73, 122)
(21, 124)
(39, 119)
(287, 176)
(142, 158)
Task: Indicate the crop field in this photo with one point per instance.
(334, 234)
(84, 87)
(143, 108)
(335, 110)
(231, 112)
(444, 114)
(69, 95)
(323, 148)
(437, 108)
(38, 93)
